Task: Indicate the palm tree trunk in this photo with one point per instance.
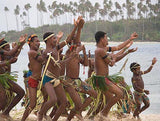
(28, 19)
(17, 23)
(6, 21)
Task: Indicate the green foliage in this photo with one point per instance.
(147, 29)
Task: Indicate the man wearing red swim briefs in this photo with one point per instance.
(36, 61)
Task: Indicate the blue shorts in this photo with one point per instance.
(46, 79)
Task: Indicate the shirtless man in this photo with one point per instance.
(72, 75)
(138, 85)
(51, 82)
(2, 86)
(7, 54)
(36, 61)
(102, 61)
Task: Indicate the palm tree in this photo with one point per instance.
(118, 8)
(24, 15)
(27, 7)
(6, 10)
(16, 12)
(41, 8)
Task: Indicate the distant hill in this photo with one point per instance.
(147, 29)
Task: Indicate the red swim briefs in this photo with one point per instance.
(32, 83)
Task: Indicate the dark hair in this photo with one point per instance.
(3, 42)
(31, 38)
(45, 35)
(133, 66)
(99, 35)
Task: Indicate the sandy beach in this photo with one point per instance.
(17, 115)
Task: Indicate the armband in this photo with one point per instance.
(105, 56)
(110, 49)
(58, 47)
(37, 56)
(7, 63)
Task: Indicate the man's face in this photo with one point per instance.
(35, 43)
(53, 40)
(137, 70)
(105, 41)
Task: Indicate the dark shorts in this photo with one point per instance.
(139, 98)
(32, 83)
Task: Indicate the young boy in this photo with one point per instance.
(138, 85)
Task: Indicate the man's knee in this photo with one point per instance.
(119, 94)
(53, 100)
(32, 105)
(147, 105)
(21, 93)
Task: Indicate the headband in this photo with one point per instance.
(29, 39)
(48, 37)
(4, 45)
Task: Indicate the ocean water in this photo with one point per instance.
(144, 55)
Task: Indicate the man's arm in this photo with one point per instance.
(119, 57)
(69, 38)
(84, 61)
(106, 57)
(89, 59)
(16, 48)
(124, 44)
(150, 68)
(8, 62)
(36, 55)
(80, 26)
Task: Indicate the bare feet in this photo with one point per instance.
(79, 116)
(102, 118)
(5, 118)
(47, 118)
(39, 116)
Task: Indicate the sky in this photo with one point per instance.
(11, 4)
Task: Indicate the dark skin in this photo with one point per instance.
(138, 85)
(118, 56)
(36, 64)
(3, 92)
(15, 87)
(56, 93)
(73, 72)
(101, 69)
(17, 48)
(90, 64)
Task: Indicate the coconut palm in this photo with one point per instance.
(27, 7)
(6, 10)
(41, 8)
(16, 12)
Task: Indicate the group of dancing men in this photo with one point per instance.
(56, 75)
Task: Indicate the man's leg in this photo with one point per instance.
(146, 103)
(113, 99)
(90, 91)
(63, 101)
(20, 93)
(3, 96)
(32, 104)
(76, 99)
(52, 100)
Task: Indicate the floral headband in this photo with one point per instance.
(30, 38)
